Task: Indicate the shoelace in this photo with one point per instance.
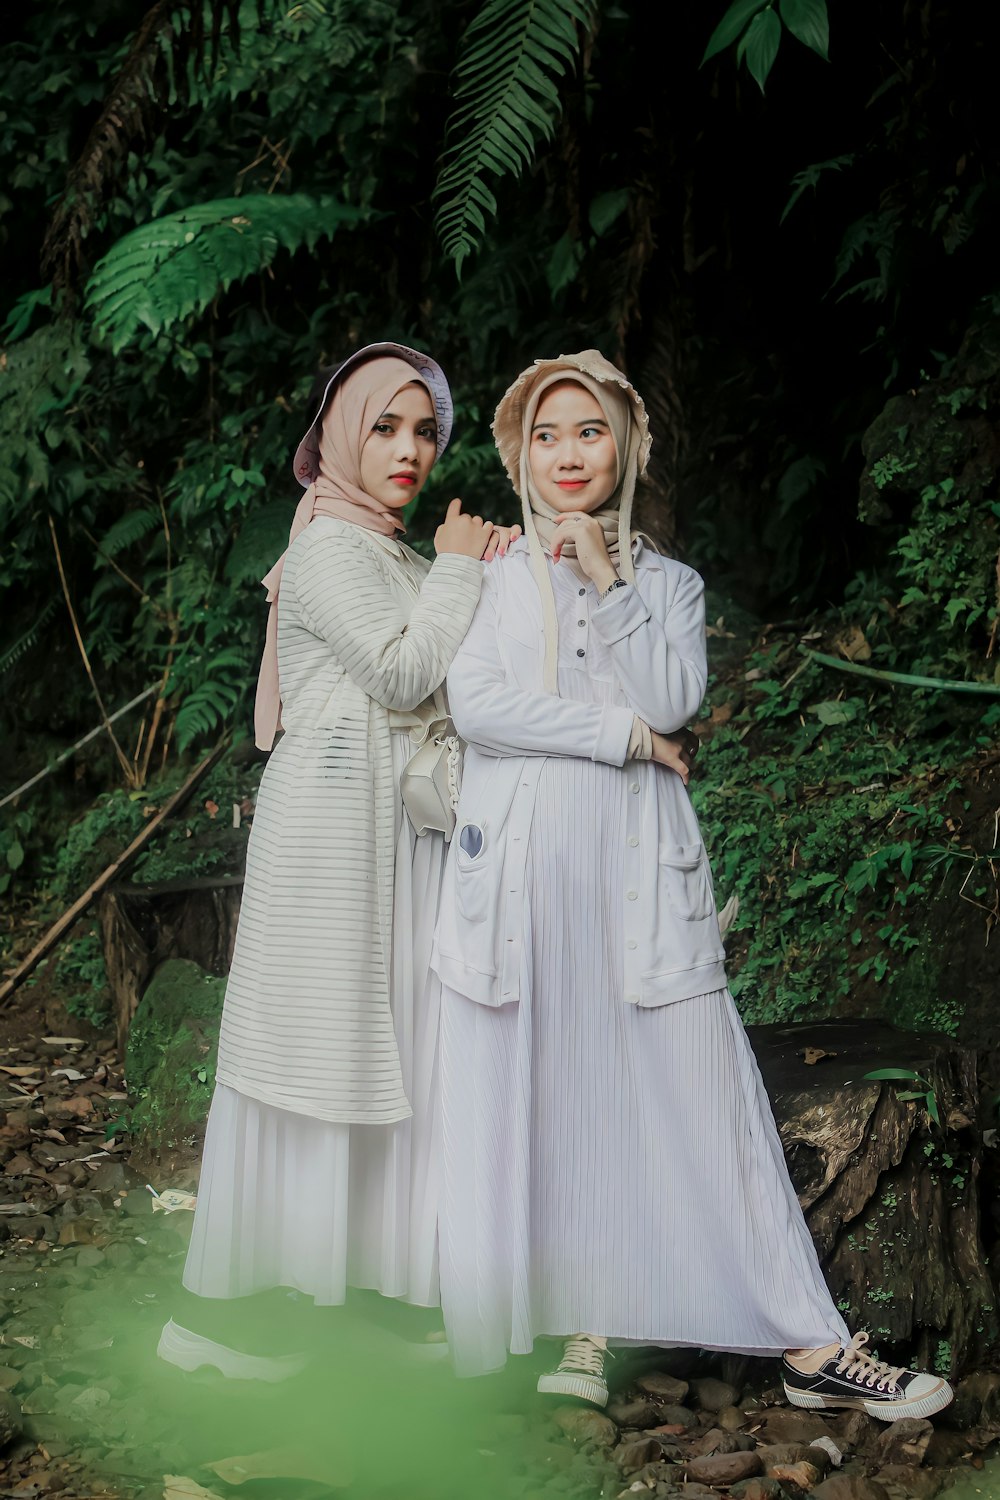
(583, 1355)
(877, 1374)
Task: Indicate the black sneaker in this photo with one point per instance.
(853, 1378)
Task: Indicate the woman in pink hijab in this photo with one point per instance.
(318, 1171)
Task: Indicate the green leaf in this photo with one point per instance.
(731, 26)
(172, 267)
(892, 1073)
(760, 45)
(932, 1108)
(15, 854)
(809, 22)
(832, 712)
(505, 88)
(564, 262)
(606, 209)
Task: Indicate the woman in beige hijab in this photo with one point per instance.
(318, 1171)
(611, 1166)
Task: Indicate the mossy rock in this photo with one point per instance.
(170, 1057)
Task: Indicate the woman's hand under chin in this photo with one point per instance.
(591, 548)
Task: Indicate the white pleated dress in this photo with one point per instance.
(608, 1168)
(285, 1200)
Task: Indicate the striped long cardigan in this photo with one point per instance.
(366, 632)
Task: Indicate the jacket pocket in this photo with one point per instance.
(686, 880)
(474, 860)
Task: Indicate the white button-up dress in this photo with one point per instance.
(610, 1160)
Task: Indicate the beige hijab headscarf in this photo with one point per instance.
(629, 425)
(355, 406)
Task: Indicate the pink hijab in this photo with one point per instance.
(356, 405)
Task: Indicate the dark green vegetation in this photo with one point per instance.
(801, 282)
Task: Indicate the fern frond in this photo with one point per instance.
(507, 101)
(25, 642)
(128, 530)
(172, 267)
(212, 702)
(154, 76)
(262, 538)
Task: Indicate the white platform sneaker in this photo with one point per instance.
(580, 1372)
(190, 1351)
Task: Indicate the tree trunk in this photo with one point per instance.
(891, 1198)
(141, 925)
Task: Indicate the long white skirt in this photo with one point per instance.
(609, 1169)
(289, 1201)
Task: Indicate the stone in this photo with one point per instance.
(109, 1177)
(850, 1487)
(11, 1425)
(8, 1378)
(677, 1416)
(757, 1489)
(89, 1257)
(860, 1432)
(637, 1413)
(665, 1387)
(635, 1452)
(586, 1426)
(802, 1476)
(715, 1441)
(712, 1394)
(791, 1425)
(724, 1468)
(903, 1442)
(913, 1483)
(782, 1455)
(945, 1448)
(731, 1418)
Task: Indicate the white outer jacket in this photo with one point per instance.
(655, 632)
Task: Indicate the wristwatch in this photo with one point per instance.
(619, 583)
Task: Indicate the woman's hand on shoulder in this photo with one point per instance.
(471, 536)
(466, 536)
(500, 541)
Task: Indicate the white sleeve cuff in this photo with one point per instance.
(613, 736)
(618, 615)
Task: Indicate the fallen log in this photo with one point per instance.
(117, 866)
(890, 1197)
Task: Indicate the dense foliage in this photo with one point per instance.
(801, 281)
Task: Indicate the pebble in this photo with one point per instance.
(801, 1476)
(677, 1416)
(758, 1489)
(713, 1395)
(781, 1455)
(11, 1425)
(914, 1483)
(716, 1441)
(633, 1413)
(903, 1442)
(850, 1487)
(724, 1468)
(665, 1387)
(636, 1452)
(586, 1426)
(731, 1418)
